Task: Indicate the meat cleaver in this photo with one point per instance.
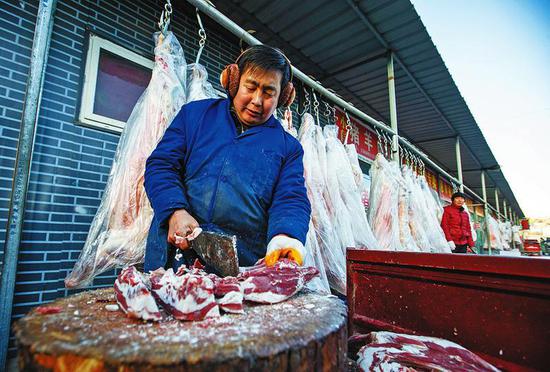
(217, 250)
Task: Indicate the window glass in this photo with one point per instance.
(119, 85)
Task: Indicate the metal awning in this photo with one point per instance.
(344, 45)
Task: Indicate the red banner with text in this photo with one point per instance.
(364, 138)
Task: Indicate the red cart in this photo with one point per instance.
(498, 307)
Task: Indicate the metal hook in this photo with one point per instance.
(348, 127)
(327, 111)
(165, 16)
(306, 105)
(202, 37)
(316, 107)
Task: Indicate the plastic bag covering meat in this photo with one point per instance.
(331, 255)
(313, 257)
(198, 86)
(404, 215)
(387, 351)
(425, 226)
(274, 284)
(383, 205)
(187, 294)
(340, 167)
(229, 294)
(358, 175)
(134, 297)
(494, 230)
(506, 233)
(472, 227)
(340, 213)
(431, 198)
(286, 122)
(118, 232)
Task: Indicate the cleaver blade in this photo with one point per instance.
(217, 250)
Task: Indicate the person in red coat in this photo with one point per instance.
(456, 225)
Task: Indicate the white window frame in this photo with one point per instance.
(87, 116)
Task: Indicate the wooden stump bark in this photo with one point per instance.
(306, 333)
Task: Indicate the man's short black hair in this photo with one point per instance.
(264, 57)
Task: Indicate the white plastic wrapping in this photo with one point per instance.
(494, 230)
(383, 205)
(332, 257)
(118, 232)
(340, 213)
(436, 236)
(408, 243)
(198, 86)
(287, 124)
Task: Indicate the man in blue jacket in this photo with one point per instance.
(228, 165)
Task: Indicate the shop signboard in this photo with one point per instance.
(364, 138)
(431, 178)
(445, 190)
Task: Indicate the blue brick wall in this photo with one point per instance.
(70, 163)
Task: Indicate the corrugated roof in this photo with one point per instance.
(344, 45)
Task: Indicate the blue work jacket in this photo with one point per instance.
(248, 184)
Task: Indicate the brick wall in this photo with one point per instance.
(70, 163)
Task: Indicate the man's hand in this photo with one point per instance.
(452, 244)
(181, 224)
(282, 246)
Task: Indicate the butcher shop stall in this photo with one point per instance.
(88, 88)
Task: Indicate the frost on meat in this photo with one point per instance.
(387, 351)
(187, 295)
(276, 283)
(134, 297)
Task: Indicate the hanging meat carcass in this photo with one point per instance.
(334, 261)
(404, 214)
(118, 232)
(340, 213)
(341, 169)
(383, 210)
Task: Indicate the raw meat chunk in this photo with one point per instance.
(134, 297)
(229, 294)
(187, 295)
(389, 351)
(276, 283)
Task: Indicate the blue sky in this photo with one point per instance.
(498, 52)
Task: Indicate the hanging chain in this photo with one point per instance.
(202, 37)
(165, 17)
(316, 107)
(348, 127)
(307, 103)
(327, 111)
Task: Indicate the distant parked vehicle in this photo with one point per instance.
(531, 247)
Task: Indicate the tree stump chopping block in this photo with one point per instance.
(78, 333)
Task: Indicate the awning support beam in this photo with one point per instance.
(487, 230)
(393, 109)
(496, 202)
(459, 164)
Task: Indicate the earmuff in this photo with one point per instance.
(231, 76)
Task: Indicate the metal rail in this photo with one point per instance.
(35, 82)
(208, 9)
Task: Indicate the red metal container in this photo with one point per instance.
(498, 307)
